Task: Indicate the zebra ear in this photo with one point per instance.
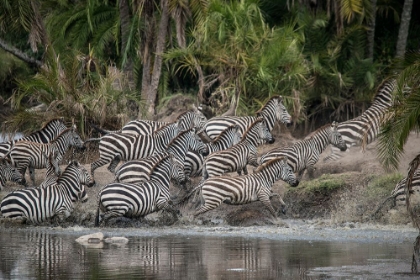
(334, 125)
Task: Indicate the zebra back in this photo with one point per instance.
(9, 173)
(305, 153)
(273, 111)
(46, 134)
(364, 129)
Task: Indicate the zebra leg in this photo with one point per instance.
(283, 205)
(207, 207)
(311, 170)
(95, 165)
(32, 174)
(114, 163)
(265, 199)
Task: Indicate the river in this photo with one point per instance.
(299, 251)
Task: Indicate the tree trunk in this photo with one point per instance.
(19, 54)
(371, 31)
(404, 27)
(150, 94)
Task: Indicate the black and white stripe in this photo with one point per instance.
(115, 147)
(237, 157)
(132, 200)
(244, 189)
(38, 205)
(9, 173)
(186, 120)
(272, 112)
(52, 170)
(194, 161)
(46, 134)
(365, 128)
(304, 154)
(32, 155)
(399, 193)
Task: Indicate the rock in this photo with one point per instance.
(93, 238)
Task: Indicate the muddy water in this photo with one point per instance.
(207, 253)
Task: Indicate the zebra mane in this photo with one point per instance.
(62, 133)
(179, 135)
(165, 155)
(235, 126)
(183, 114)
(60, 119)
(279, 97)
(310, 135)
(269, 163)
(164, 127)
(258, 120)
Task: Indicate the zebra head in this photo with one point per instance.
(75, 139)
(9, 173)
(286, 173)
(336, 139)
(188, 120)
(84, 176)
(264, 133)
(177, 171)
(195, 144)
(281, 113)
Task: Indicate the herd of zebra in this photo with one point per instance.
(157, 155)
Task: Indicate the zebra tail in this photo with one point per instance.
(100, 130)
(97, 217)
(380, 206)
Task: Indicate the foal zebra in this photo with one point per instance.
(38, 205)
(237, 157)
(227, 138)
(365, 128)
(9, 173)
(32, 155)
(115, 147)
(244, 189)
(53, 170)
(304, 154)
(45, 135)
(272, 112)
(134, 171)
(132, 200)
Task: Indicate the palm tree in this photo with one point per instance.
(404, 27)
(403, 118)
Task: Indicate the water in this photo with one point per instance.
(43, 253)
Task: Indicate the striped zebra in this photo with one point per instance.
(365, 128)
(9, 173)
(53, 170)
(304, 154)
(244, 189)
(132, 200)
(134, 171)
(32, 155)
(194, 161)
(186, 120)
(46, 134)
(115, 147)
(273, 111)
(54, 202)
(237, 157)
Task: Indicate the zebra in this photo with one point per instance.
(53, 170)
(365, 128)
(132, 200)
(194, 161)
(134, 171)
(45, 135)
(56, 201)
(32, 155)
(273, 111)
(186, 120)
(237, 157)
(115, 147)
(304, 154)
(244, 189)
(9, 173)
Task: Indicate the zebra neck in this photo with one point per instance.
(268, 116)
(319, 141)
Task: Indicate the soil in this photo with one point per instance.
(340, 206)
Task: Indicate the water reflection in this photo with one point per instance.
(46, 255)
